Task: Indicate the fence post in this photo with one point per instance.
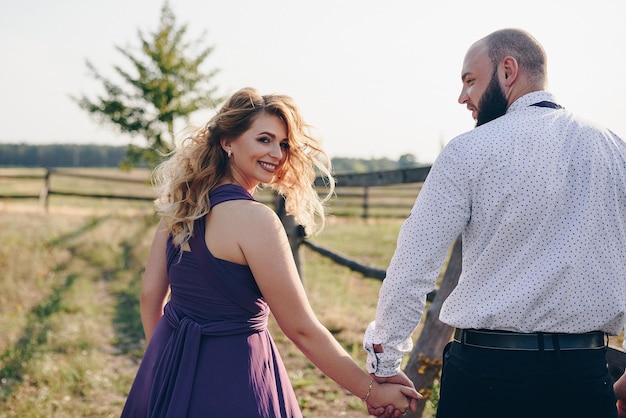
(45, 190)
(425, 361)
(295, 232)
(365, 201)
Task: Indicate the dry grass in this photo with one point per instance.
(66, 273)
(70, 334)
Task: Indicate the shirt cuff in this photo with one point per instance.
(381, 367)
(371, 363)
(385, 364)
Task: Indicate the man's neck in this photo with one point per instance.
(522, 89)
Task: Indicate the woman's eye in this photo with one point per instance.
(284, 145)
(264, 139)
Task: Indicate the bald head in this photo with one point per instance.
(498, 69)
(521, 45)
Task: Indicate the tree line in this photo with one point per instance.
(93, 155)
(61, 155)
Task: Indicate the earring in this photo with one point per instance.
(230, 153)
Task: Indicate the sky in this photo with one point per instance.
(376, 79)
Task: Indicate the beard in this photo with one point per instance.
(493, 104)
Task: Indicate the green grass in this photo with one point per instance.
(61, 348)
(70, 332)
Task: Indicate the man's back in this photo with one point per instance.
(540, 199)
(547, 223)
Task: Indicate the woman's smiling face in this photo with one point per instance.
(259, 152)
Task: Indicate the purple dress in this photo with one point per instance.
(211, 354)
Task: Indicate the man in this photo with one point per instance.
(539, 196)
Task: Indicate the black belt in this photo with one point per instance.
(505, 340)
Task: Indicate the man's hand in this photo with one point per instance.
(389, 411)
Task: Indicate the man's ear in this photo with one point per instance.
(510, 70)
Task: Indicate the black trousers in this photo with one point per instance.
(488, 383)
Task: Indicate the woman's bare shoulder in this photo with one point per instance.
(249, 213)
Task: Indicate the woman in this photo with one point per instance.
(226, 259)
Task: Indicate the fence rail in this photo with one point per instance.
(381, 194)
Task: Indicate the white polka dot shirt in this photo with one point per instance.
(539, 196)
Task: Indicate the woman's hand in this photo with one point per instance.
(392, 399)
(388, 410)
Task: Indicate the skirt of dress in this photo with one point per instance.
(234, 376)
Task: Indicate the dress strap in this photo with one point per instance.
(227, 192)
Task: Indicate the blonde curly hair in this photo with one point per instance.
(199, 163)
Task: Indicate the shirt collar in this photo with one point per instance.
(530, 99)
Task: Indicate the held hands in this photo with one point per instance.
(392, 396)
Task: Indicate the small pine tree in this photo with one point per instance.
(166, 84)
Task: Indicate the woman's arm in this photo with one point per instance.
(266, 248)
(155, 286)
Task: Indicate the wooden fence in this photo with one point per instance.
(382, 194)
(365, 195)
(141, 191)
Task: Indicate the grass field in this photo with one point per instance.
(70, 332)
